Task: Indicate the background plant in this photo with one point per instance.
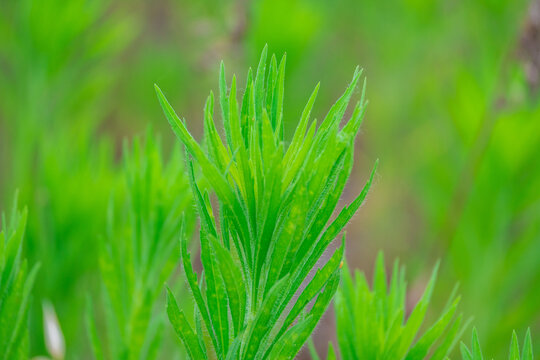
(58, 64)
(376, 323)
(275, 203)
(475, 353)
(138, 252)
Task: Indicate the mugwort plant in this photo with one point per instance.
(270, 221)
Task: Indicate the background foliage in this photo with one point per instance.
(375, 324)
(453, 116)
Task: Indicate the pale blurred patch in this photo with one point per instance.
(54, 338)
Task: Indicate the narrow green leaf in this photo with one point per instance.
(206, 220)
(424, 344)
(182, 328)
(260, 326)
(196, 292)
(514, 347)
(527, 352)
(321, 278)
(331, 352)
(476, 349)
(234, 284)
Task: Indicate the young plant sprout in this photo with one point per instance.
(271, 221)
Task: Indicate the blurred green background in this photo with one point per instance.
(454, 117)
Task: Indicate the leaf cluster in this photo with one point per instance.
(137, 254)
(372, 323)
(271, 221)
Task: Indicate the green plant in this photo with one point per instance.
(372, 323)
(58, 67)
(475, 353)
(16, 282)
(137, 254)
(274, 203)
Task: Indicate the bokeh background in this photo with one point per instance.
(454, 117)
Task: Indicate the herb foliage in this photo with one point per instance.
(138, 252)
(373, 323)
(271, 221)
